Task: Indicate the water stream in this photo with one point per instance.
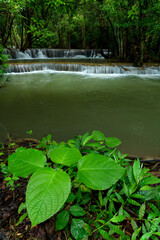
(70, 98)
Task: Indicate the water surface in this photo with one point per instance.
(67, 104)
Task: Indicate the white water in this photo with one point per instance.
(88, 69)
(53, 53)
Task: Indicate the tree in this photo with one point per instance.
(130, 29)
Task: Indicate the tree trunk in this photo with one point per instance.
(83, 36)
(126, 44)
(115, 50)
(5, 39)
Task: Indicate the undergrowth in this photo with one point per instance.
(89, 186)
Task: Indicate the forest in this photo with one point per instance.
(128, 29)
(79, 119)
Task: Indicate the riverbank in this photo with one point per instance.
(9, 146)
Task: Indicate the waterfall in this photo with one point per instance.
(91, 69)
(52, 53)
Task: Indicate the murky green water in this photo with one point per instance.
(127, 107)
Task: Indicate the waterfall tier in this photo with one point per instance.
(91, 69)
(53, 53)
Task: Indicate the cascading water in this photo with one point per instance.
(91, 69)
(80, 54)
(52, 53)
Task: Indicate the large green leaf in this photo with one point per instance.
(26, 161)
(99, 172)
(47, 191)
(65, 156)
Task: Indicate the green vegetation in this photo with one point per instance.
(90, 187)
(3, 60)
(3, 65)
(130, 29)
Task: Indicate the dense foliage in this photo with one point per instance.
(3, 66)
(130, 29)
(90, 186)
(3, 61)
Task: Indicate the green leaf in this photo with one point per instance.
(77, 143)
(146, 188)
(115, 229)
(149, 194)
(155, 224)
(135, 195)
(26, 161)
(119, 197)
(65, 156)
(133, 202)
(130, 174)
(136, 170)
(157, 233)
(47, 191)
(126, 189)
(132, 188)
(135, 234)
(152, 215)
(120, 212)
(62, 220)
(84, 137)
(111, 209)
(105, 235)
(7, 178)
(87, 139)
(101, 221)
(134, 224)
(117, 219)
(94, 145)
(21, 218)
(100, 198)
(21, 207)
(149, 180)
(144, 230)
(77, 211)
(112, 142)
(71, 198)
(99, 172)
(154, 208)
(49, 137)
(15, 178)
(146, 236)
(126, 214)
(142, 211)
(71, 143)
(98, 136)
(148, 225)
(79, 229)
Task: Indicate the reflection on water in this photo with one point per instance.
(127, 107)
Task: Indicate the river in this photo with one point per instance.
(66, 104)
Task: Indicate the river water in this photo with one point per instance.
(66, 104)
